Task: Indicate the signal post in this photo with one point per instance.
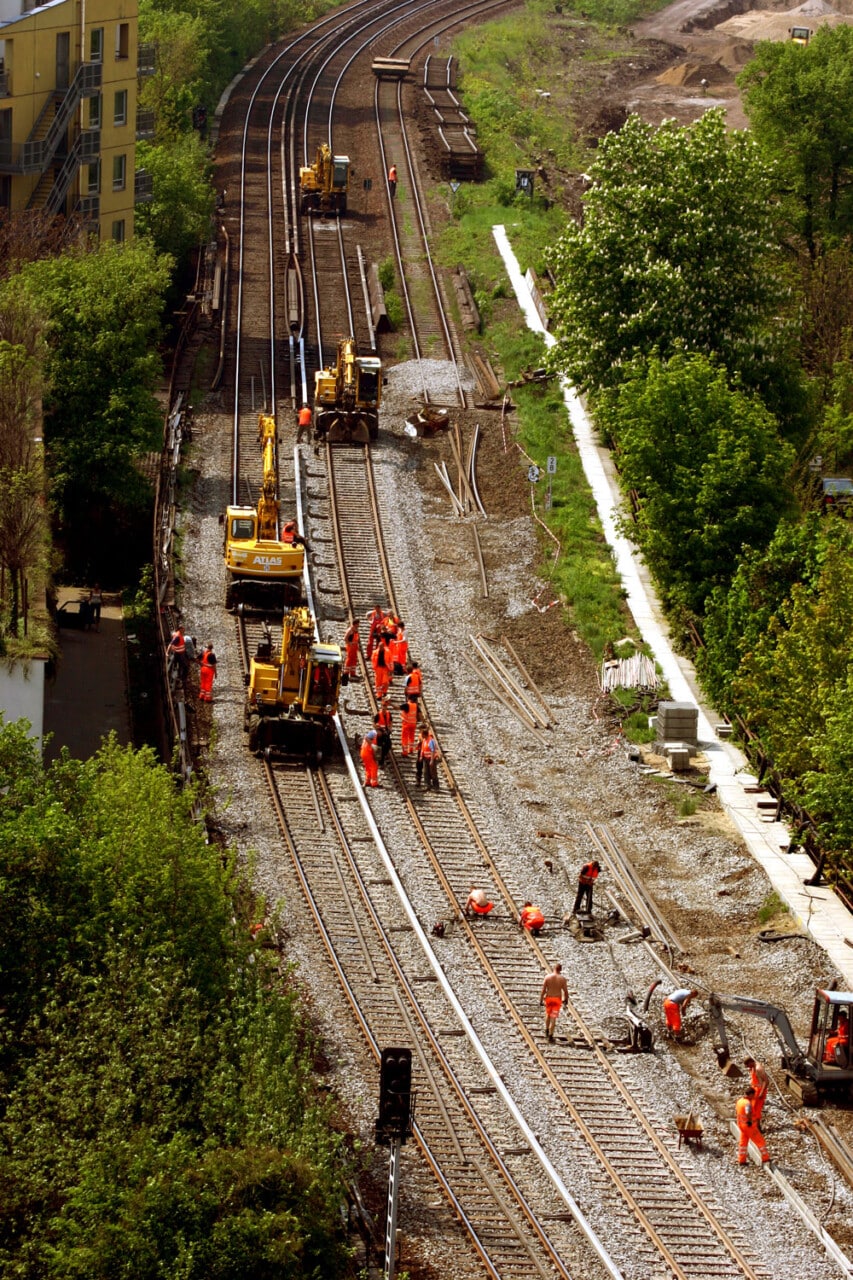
(393, 1127)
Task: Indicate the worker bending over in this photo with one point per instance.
(531, 919)
(673, 1008)
(478, 903)
(586, 879)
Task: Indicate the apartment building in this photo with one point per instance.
(68, 117)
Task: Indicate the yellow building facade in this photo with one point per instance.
(68, 117)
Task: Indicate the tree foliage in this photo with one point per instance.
(800, 105)
(103, 318)
(707, 466)
(676, 250)
(158, 1115)
(178, 217)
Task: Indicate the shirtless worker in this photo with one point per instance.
(554, 994)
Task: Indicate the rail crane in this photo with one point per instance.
(263, 560)
(347, 397)
(293, 692)
(323, 185)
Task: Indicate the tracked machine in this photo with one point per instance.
(293, 693)
(347, 397)
(323, 185)
(825, 1069)
(263, 559)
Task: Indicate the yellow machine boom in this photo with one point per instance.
(263, 562)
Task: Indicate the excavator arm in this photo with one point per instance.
(792, 1055)
(268, 508)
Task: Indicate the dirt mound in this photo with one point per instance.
(689, 74)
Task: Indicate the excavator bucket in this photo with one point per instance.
(728, 1068)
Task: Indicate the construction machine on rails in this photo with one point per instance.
(264, 559)
(347, 397)
(293, 692)
(323, 185)
(823, 1070)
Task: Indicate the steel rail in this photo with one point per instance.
(422, 1035)
(613, 1085)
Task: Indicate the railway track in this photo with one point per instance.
(603, 1133)
(681, 1228)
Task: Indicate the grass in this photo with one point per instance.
(688, 806)
(771, 907)
(502, 64)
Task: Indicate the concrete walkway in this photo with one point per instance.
(815, 909)
(88, 698)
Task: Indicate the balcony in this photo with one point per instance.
(143, 187)
(144, 125)
(146, 62)
(5, 88)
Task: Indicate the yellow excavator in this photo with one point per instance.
(263, 558)
(323, 185)
(293, 693)
(347, 397)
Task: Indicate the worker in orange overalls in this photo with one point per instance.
(290, 534)
(478, 903)
(381, 663)
(760, 1082)
(586, 879)
(206, 674)
(399, 649)
(376, 617)
(351, 650)
(531, 919)
(674, 1005)
(748, 1126)
(392, 180)
(427, 761)
(368, 759)
(408, 725)
(414, 681)
(303, 423)
(841, 1037)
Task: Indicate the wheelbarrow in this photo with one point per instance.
(690, 1129)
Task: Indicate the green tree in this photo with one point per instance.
(181, 51)
(791, 681)
(677, 248)
(178, 217)
(707, 465)
(158, 1108)
(827, 789)
(103, 314)
(737, 618)
(800, 104)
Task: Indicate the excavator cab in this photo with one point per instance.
(829, 1039)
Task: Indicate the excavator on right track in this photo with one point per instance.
(825, 1069)
(347, 397)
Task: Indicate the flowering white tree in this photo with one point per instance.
(678, 249)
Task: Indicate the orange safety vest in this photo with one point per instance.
(305, 417)
(392, 173)
(380, 656)
(743, 1110)
(410, 715)
(589, 874)
(178, 644)
(288, 533)
(206, 659)
(383, 718)
(532, 918)
(414, 682)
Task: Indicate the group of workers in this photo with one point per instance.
(387, 652)
(182, 651)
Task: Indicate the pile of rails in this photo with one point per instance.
(461, 158)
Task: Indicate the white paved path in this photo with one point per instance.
(817, 909)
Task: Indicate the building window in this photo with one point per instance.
(120, 107)
(95, 112)
(96, 44)
(5, 191)
(93, 182)
(123, 40)
(119, 172)
(118, 231)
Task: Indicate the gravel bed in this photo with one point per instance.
(705, 882)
